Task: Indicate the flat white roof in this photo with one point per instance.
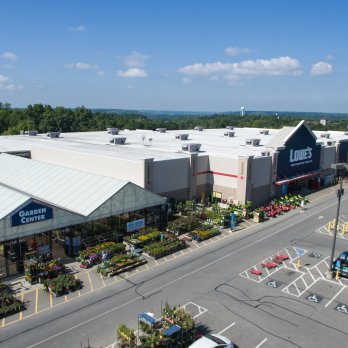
(162, 146)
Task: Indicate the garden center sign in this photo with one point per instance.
(32, 212)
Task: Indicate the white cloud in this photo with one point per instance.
(132, 72)
(78, 29)
(100, 72)
(6, 83)
(329, 57)
(9, 56)
(81, 66)
(245, 69)
(136, 60)
(235, 51)
(186, 80)
(321, 68)
(8, 66)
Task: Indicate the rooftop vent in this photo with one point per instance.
(265, 153)
(230, 127)
(161, 130)
(325, 135)
(229, 134)
(253, 142)
(113, 131)
(190, 147)
(31, 132)
(198, 128)
(264, 131)
(182, 136)
(118, 140)
(53, 134)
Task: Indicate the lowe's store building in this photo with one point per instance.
(60, 192)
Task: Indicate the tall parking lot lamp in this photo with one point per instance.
(341, 171)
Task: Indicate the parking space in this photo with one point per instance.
(342, 228)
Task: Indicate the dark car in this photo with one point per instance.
(341, 264)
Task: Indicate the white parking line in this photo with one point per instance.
(226, 328)
(335, 296)
(261, 343)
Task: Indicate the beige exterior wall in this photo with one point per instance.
(222, 165)
(328, 156)
(117, 168)
(261, 171)
(170, 175)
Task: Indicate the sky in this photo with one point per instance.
(183, 55)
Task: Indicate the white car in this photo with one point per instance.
(212, 341)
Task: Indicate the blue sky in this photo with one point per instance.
(198, 55)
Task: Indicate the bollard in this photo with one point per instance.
(337, 275)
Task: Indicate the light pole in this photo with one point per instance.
(341, 169)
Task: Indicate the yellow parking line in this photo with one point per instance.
(156, 262)
(174, 256)
(21, 313)
(102, 279)
(36, 300)
(3, 322)
(65, 298)
(90, 281)
(165, 259)
(51, 300)
(147, 266)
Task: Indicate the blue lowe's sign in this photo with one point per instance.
(300, 156)
(32, 212)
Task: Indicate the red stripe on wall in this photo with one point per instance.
(218, 173)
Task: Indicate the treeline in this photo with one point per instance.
(44, 118)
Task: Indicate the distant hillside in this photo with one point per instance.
(168, 113)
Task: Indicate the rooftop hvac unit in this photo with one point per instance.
(325, 135)
(230, 127)
(331, 143)
(53, 134)
(253, 142)
(118, 140)
(229, 134)
(113, 131)
(265, 153)
(190, 147)
(31, 132)
(181, 136)
(345, 133)
(198, 128)
(264, 131)
(161, 130)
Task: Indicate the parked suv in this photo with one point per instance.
(212, 341)
(341, 264)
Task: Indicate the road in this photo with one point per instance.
(246, 309)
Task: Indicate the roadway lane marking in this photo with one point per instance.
(226, 328)
(21, 313)
(335, 297)
(90, 281)
(36, 299)
(261, 343)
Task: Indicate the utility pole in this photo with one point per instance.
(341, 170)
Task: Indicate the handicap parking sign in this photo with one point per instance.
(342, 308)
(314, 298)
